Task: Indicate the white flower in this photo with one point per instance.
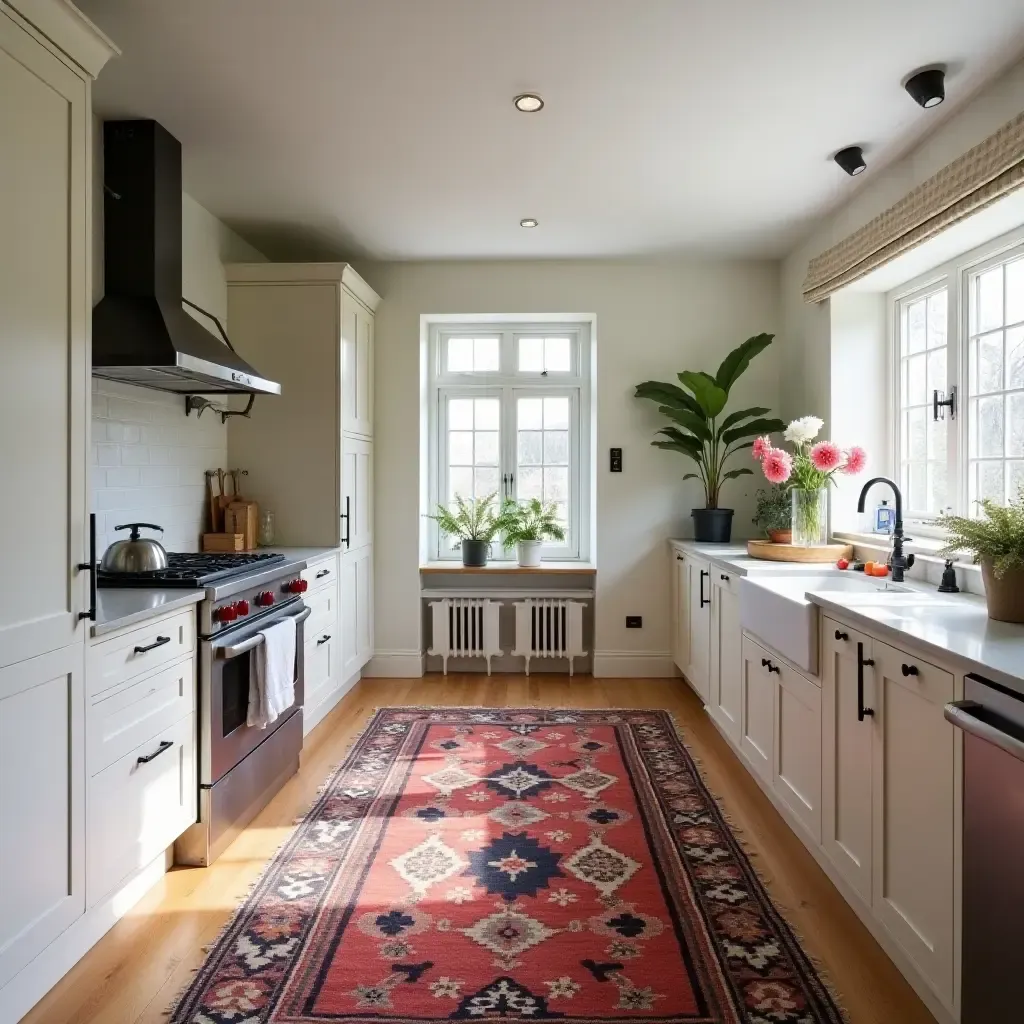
(803, 430)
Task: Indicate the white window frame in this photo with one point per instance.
(511, 384)
(955, 275)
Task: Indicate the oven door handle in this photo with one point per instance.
(962, 714)
(253, 642)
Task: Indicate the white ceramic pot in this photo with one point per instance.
(528, 552)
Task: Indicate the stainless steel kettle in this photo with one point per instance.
(137, 553)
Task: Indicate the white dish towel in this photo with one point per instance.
(272, 682)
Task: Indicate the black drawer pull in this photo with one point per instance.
(765, 663)
(679, 558)
(322, 573)
(842, 636)
(724, 577)
(164, 745)
(323, 639)
(159, 642)
(774, 668)
(910, 670)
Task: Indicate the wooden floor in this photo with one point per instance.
(134, 972)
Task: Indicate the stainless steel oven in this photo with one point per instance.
(240, 767)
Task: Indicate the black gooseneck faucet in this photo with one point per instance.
(900, 562)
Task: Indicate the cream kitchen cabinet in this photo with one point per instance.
(357, 365)
(357, 496)
(680, 614)
(725, 658)
(697, 624)
(357, 598)
(49, 54)
(890, 780)
(322, 651)
(757, 710)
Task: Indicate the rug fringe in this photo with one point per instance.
(753, 856)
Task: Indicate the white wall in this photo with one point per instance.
(806, 380)
(653, 319)
(147, 457)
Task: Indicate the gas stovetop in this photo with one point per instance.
(192, 569)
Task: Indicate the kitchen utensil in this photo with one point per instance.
(211, 500)
(224, 499)
(137, 553)
(223, 542)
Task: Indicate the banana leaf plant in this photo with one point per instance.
(699, 428)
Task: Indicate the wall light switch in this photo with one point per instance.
(615, 460)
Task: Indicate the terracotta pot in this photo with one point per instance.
(780, 536)
(1005, 596)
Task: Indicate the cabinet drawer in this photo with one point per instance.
(726, 580)
(840, 638)
(320, 573)
(323, 605)
(126, 715)
(319, 652)
(137, 651)
(137, 808)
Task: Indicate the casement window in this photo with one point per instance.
(510, 416)
(958, 383)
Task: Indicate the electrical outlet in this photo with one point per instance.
(634, 622)
(615, 460)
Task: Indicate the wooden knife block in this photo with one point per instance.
(243, 517)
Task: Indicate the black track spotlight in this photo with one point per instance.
(927, 88)
(851, 160)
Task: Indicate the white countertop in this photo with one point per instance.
(954, 627)
(119, 607)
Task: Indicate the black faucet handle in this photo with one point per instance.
(948, 585)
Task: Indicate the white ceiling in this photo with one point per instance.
(385, 128)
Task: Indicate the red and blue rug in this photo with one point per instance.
(472, 864)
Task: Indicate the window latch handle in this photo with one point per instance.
(944, 403)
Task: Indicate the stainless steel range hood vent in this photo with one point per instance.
(140, 332)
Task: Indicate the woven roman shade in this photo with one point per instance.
(984, 174)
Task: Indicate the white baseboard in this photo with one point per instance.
(39, 975)
(633, 665)
(395, 665)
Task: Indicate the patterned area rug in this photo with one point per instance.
(470, 864)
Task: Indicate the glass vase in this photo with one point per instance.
(809, 519)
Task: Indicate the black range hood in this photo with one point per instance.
(140, 332)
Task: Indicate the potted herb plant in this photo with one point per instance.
(997, 541)
(474, 523)
(527, 525)
(774, 514)
(702, 432)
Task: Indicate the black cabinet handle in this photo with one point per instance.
(774, 668)
(164, 745)
(323, 639)
(842, 636)
(765, 663)
(322, 573)
(724, 577)
(910, 670)
(679, 558)
(702, 599)
(159, 642)
(862, 663)
(90, 567)
(347, 539)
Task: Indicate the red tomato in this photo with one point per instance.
(843, 563)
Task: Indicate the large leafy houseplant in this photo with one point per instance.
(474, 523)
(528, 524)
(997, 541)
(701, 430)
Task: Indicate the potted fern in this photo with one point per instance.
(474, 523)
(528, 525)
(997, 541)
(700, 430)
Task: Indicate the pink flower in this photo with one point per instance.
(777, 465)
(856, 460)
(826, 456)
(762, 446)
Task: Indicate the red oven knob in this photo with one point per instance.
(298, 586)
(264, 598)
(226, 614)
(242, 607)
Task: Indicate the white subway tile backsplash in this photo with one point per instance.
(148, 463)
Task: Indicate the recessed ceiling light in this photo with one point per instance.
(851, 160)
(529, 222)
(529, 103)
(928, 87)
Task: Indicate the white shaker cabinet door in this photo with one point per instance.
(847, 742)
(914, 827)
(797, 777)
(42, 803)
(757, 711)
(356, 611)
(357, 494)
(698, 642)
(726, 657)
(356, 367)
(44, 372)
(680, 613)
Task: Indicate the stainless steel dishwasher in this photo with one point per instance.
(992, 718)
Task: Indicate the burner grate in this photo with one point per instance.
(190, 569)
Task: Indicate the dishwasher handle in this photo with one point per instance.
(962, 714)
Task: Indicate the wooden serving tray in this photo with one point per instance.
(791, 553)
